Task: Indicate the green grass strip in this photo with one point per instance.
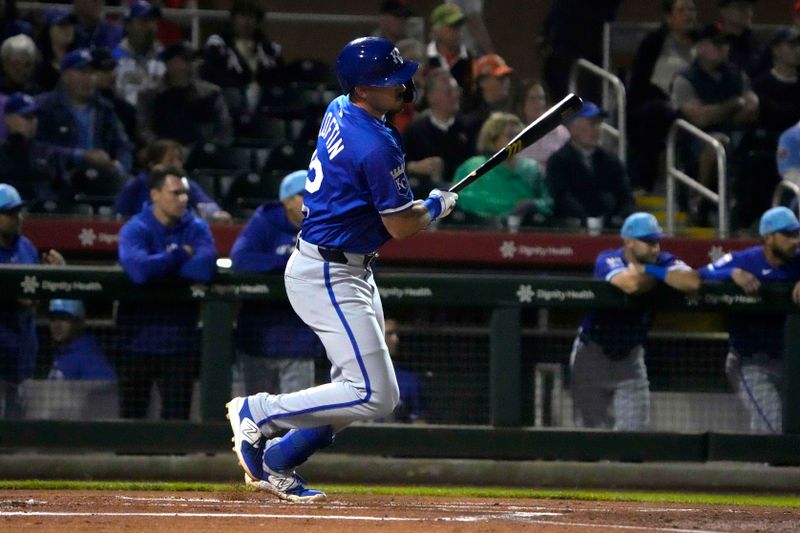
(759, 500)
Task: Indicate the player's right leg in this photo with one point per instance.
(590, 395)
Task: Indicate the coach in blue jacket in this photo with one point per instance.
(277, 348)
(160, 339)
(18, 342)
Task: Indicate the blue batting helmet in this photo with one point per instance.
(372, 62)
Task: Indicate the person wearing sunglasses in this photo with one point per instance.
(754, 365)
(610, 389)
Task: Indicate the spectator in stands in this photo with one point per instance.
(411, 50)
(21, 164)
(18, 342)
(18, 56)
(269, 362)
(714, 95)
(105, 65)
(736, 23)
(81, 133)
(245, 64)
(573, 29)
(446, 49)
(661, 55)
(163, 243)
(586, 180)
(754, 364)
(411, 407)
(135, 195)
(534, 104)
(10, 23)
(515, 191)
(610, 389)
(476, 35)
(139, 67)
(440, 138)
(788, 154)
(55, 40)
(492, 87)
(191, 111)
(76, 353)
(393, 18)
(778, 91)
(91, 28)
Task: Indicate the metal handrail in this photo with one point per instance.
(782, 185)
(619, 88)
(674, 173)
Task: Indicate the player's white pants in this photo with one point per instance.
(342, 305)
(758, 381)
(609, 393)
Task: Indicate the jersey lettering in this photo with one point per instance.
(332, 135)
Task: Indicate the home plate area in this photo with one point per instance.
(245, 511)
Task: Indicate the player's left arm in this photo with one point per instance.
(674, 273)
(419, 215)
(796, 293)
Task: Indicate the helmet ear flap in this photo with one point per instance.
(410, 92)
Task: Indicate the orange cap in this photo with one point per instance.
(491, 65)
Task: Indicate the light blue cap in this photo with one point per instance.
(9, 198)
(73, 308)
(641, 226)
(778, 219)
(294, 183)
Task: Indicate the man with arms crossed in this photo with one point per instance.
(356, 198)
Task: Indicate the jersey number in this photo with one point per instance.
(313, 185)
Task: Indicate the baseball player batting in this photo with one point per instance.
(357, 197)
(754, 365)
(609, 378)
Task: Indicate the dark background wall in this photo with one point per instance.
(515, 25)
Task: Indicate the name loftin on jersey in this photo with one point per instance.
(332, 135)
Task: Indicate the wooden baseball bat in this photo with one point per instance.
(532, 133)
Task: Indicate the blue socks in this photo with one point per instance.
(296, 447)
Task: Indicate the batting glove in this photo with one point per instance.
(440, 203)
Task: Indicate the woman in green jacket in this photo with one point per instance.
(514, 191)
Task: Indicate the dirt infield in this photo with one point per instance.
(241, 511)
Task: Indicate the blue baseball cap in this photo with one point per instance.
(141, 9)
(20, 104)
(9, 198)
(588, 110)
(294, 183)
(643, 226)
(55, 16)
(77, 59)
(73, 308)
(778, 219)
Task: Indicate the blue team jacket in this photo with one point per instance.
(150, 252)
(18, 341)
(266, 330)
(82, 358)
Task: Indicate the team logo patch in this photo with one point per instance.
(401, 181)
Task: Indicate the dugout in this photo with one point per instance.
(486, 356)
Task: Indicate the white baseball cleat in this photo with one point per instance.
(290, 488)
(248, 441)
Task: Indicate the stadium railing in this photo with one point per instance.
(481, 342)
(720, 198)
